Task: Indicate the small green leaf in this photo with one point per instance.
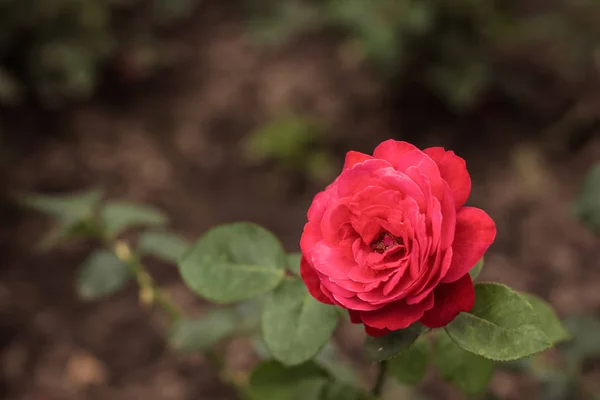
(295, 326)
(293, 263)
(586, 206)
(329, 358)
(118, 216)
(476, 270)
(101, 274)
(501, 326)
(72, 207)
(584, 344)
(233, 262)
(409, 367)
(200, 334)
(394, 343)
(271, 380)
(343, 391)
(63, 231)
(548, 320)
(164, 245)
(467, 371)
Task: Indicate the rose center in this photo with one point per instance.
(385, 241)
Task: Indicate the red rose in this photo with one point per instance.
(391, 241)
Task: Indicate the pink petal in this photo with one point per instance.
(312, 282)
(392, 150)
(397, 315)
(450, 300)
(453, 170)
(475, 232)
(355, 157)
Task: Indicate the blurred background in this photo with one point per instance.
(219, 111)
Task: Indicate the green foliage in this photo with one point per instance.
(329, 359)
(584, 345)
(340, 391)
(163, 245)
(476, 270)
(467, 371)
(271, 380)
(409, 367)
(101, 274)
(234, 262)
(295, 326)
(586, 206)
(58, 49)
(294, 142)
(501, 326)
(119, 216)
(200, 334)
(394, 343)
(548, 320)
(68, 208)
(294, 263)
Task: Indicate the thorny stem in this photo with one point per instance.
(150, 293)
(378, 387)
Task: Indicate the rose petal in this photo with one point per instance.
(453, 170)
(450, 300)
(374, 332)
(312, 282)
(397, 315)
(392, 150)
(353, 158)
(475, 232)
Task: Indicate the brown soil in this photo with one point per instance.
(177, 145)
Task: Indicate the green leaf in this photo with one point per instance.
(343, 391)
(271, 380)
(63, 231)
(234, 262)
(293, 263)
(72, 207)
(164, 245)
(547, 318)
(584, 344)
(467, 371)
(295, 326)
(101, 274)
(394, 343)
(329, 358)
(476, 270)
(410, 366)
(501, 326)
(586, 207)
(199, 334)
(118, 216)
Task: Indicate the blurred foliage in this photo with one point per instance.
(453, 47)
(57, 49)
(294, 142)
(586, 207)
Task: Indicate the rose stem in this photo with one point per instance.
(378, 387)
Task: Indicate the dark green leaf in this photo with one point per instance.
(200, 334)
(72, 207)
(476, 270)
(344, 391)
(234, 262)
(584, 345)
(409, 367)
(294, 263)
(394, 343)
(164, 245)
(101, 274)
(330, 359)
(501, 326)
(119, 216)
(467, 371)
(586, 206)
(295, 326)
(548, 320)
(271, 380)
